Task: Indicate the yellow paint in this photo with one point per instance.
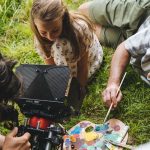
(113, 148)
(90, 136)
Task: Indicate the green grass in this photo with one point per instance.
(16, 41)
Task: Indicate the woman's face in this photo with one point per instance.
(49, 30)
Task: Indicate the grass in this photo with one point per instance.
(16, 41)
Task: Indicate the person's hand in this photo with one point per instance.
(16, 143)
(110, 95)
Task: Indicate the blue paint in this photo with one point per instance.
(99, 144)
(67, 142)
(87, 147)
(77, 130)
(102, 127)
(84, 146)
(115, 137)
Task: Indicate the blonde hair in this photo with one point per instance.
(49, 10)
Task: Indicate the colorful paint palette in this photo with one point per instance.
(89, 136)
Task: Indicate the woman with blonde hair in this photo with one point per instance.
(65, 38)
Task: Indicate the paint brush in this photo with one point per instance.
(120, 144)
(63, 128)
(116, 96)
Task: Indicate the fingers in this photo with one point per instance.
(23, 142)
(119, 97)
(23, 139)
(14, 132)
(26, 136)
(16, 143)
(26, 146)
(106, 97)
(111, 95)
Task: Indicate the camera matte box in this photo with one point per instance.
(44, 88)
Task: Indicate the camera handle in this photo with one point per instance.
(48, 144)
(55, 138)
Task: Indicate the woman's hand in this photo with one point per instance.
(16, 143)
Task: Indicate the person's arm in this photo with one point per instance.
(135, 46)
(47, 59)
(82, 70)
(119, 62)
(2, 139)
(82, 74)
(12, 142)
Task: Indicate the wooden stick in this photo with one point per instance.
(121, 83)
(63, 128)
(116, 96)
(108, 112)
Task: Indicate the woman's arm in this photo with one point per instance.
(49, 60)
(82, 70)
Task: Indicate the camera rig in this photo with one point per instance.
(44, 104)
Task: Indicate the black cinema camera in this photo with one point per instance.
(44, 104)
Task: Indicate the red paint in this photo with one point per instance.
(44, 123)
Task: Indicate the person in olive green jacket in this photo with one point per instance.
(116, 20)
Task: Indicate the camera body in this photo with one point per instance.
(45, 135)
(44, 104)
